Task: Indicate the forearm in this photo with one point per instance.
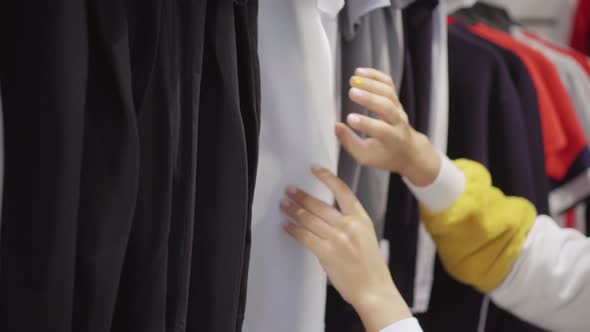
(478, 231)
(541, 272)
(383, 310)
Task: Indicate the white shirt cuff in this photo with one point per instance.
(444, 191)
(406, 325)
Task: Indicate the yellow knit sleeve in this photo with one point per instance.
(481, 235)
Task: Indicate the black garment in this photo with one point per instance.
(109, 177)
(488, 124)
(125, 279)
(500, 320)
(192, 25)
(401, 226)
(43, 70)
(226, 167)
(1, 158)
(106, 201)
(489, 14)
(155, 67)
(530, 107)
(111, 89)
(418, 29)
(402, 219)
(246, 20)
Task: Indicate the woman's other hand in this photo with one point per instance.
(346, 245)
(391, 144)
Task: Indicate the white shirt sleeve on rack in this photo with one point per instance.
(549, 284)
(406, 325)
(564, 17)
(286, 284)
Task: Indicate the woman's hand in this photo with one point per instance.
(392, 143)
(346, 245)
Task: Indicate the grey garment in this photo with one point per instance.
(401, 4)
(373, 40)
(378, 26)
(355, 10)
(574, 77)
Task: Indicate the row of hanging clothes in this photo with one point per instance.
(146, 146)
(481, 86)
(130, 149)
(517, 103)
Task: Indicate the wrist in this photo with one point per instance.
(379, 310)
(424, 164)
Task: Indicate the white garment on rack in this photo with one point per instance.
(564, 21)
(330, 22)
(286, 284)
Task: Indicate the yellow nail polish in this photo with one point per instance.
(357, 81)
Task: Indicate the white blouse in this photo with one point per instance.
(286, 284)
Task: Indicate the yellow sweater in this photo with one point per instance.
(481, 235)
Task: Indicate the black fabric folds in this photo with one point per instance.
(131, 148)
(401, 227)
(226, 167)
(44, 70)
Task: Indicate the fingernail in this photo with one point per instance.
(285, 203)
(292, 190)
(360, 71)
(353, 119)
(356, 92)
(357, 81)
(316, 168)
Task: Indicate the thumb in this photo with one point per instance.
(352, 143)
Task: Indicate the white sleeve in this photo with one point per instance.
(549, 284)
(448, 186)
(406, 325)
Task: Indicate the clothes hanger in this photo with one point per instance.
(467, 16)
(483, 13)
(495, 16)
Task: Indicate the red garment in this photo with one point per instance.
(563, 136)
(580, 38)
(570, 218)
(579, 57)
(576, 218)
